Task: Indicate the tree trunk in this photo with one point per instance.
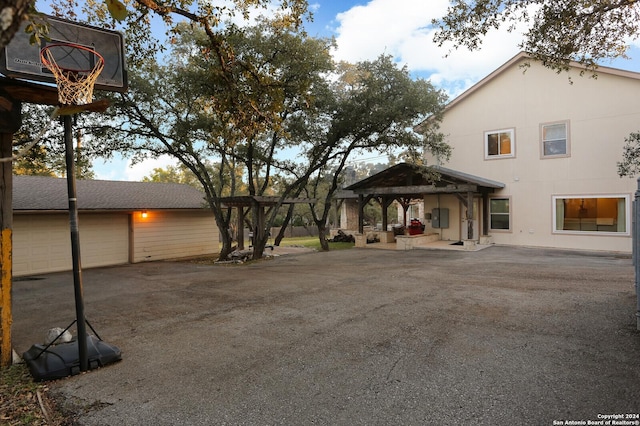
(227, 243)
(259, 243)
(322, 236)
(225, 236)
(285, 223)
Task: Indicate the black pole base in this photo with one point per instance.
(62, 360)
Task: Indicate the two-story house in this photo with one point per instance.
(554, 141)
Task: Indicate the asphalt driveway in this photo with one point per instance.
(502, 336)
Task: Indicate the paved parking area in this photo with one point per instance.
(501, 336)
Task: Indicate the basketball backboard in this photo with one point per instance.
(21, 59)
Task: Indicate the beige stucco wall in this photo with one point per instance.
(169, 235)
(601, 113)
(41, 242)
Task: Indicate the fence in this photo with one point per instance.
(635, 229)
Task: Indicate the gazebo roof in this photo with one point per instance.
(408, 180)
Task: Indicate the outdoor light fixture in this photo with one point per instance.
(144, 214)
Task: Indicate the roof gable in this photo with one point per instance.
(523, 57)
(47, 193)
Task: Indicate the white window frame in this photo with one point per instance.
(627, 215)
(512, 135)
(567, 147)
(508, 198)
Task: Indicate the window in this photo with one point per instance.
(500, 216)
(499, 144)
(555, 139)
(591, 214)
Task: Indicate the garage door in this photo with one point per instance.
(41, 243)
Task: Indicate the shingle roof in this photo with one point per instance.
(406, 175)
(46, 193)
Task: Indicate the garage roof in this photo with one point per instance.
(47, 193)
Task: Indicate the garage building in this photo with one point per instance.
(119, 222)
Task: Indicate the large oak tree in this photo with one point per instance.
(586, 31)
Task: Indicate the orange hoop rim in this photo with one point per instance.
(48, 64)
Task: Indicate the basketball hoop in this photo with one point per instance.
(75, 85)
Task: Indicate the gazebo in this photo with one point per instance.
(260, 205)
(405, 182)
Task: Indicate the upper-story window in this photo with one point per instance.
(499, 144)
(554, 139)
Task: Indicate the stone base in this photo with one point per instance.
(408, 242)
(469, 244)
(386, 236)
(486, 240)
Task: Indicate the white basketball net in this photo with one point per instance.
(75, 87)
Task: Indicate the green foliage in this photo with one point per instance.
(582, 30)
(223, 122)
(274, 110)
(212, 18)
(19, 404)
(171, 174)
(374, 106)
(630, 164)
(313, 243)
(47, 157)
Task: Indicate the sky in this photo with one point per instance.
(401, 28)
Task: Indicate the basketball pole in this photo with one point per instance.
(75, 244)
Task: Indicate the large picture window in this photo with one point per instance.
(500, 214)
(591, 214)
(499, 144)
(555, 139)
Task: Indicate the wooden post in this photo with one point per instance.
(470, 215)
(240, 225)
(9, 123)
(360, 213)
(12, 93)
(485, 213)
(6, 224)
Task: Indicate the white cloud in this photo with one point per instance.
(120, 168)
(403, 29)
(135, 172)
(111, 169)
(364, 32)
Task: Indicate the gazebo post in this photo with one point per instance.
(470, 215)
(240, 233)
(361, 213)
(384, 204)
(485, 213)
